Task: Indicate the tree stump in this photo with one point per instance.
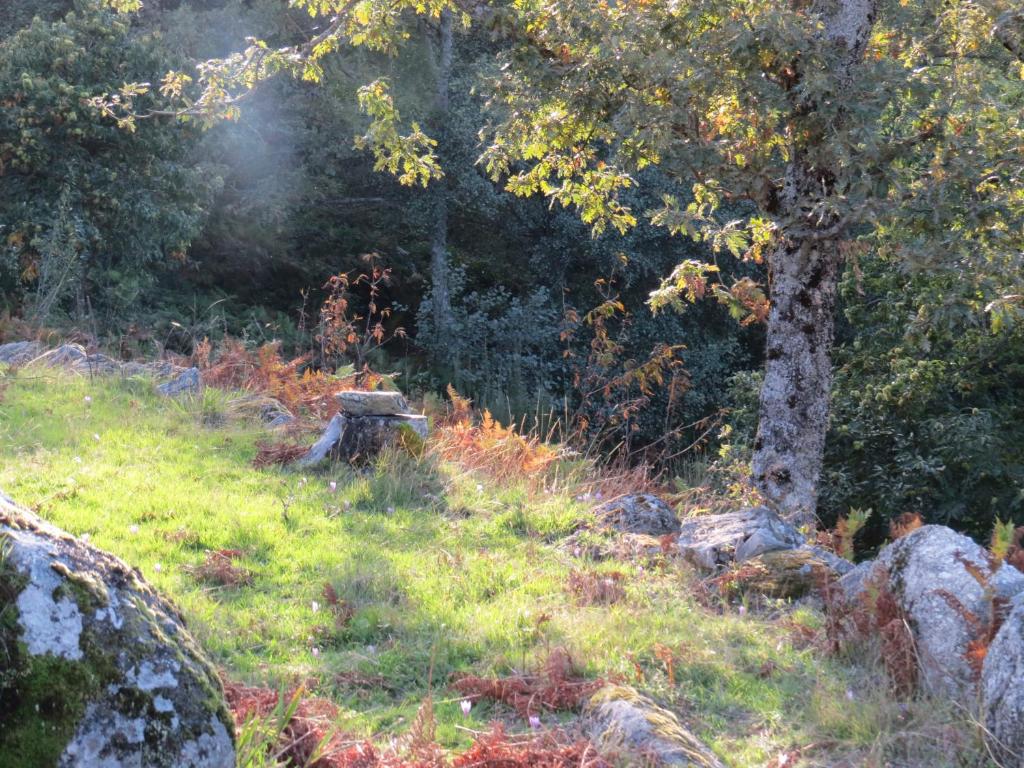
(361, 431)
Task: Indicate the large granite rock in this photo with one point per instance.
(638, 513)
(96, 670)
(622, 722)
(712, 542)
(355, 402)
(929, 575)
(359, 439)
(1002, 692)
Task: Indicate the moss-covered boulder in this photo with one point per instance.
(785, 573)
(95, 668)
(623, 722)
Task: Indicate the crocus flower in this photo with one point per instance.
(466, 706)
(133, 529)
(333, 485)
(534, 722)
(315, 651)
(87, 399)
(157, 567)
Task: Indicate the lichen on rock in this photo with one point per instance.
(619, 719)
(95, 668)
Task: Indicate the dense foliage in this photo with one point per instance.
(171, 232)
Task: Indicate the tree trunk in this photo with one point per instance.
(440, 293)
(794, 404)
(803, 272)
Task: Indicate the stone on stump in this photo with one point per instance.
(369, 423)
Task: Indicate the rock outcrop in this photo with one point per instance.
(20, 352)
(95, 668)
(712, 542)
(621, 721)
(641, 513)
(929, 574)
(188, 382)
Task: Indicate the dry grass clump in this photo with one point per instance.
(291, 382)
(595, 588)
(485, 445)
(293, 729)
(558, 687)
(218, 568)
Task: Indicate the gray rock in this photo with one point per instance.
(358, 439)
(356, 402)
(1002, 695)
(712, 542)
(187, 382)
(638, 513)
(66, 356)
(927, 576)
(619, 719)
(98, 669)
(20, 352)
(92, 364)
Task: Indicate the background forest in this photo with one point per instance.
(159, 237)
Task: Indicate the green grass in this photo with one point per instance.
(445, 573)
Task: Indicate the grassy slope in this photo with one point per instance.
(446, 572)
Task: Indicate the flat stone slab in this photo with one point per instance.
(355, 402)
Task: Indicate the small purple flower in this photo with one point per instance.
(742, 610)
(466, 706)
(157, 567)
(133, 529)
(849, 694)
(534, 722)
(333, 485)
(315, 651)
(87, 399)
